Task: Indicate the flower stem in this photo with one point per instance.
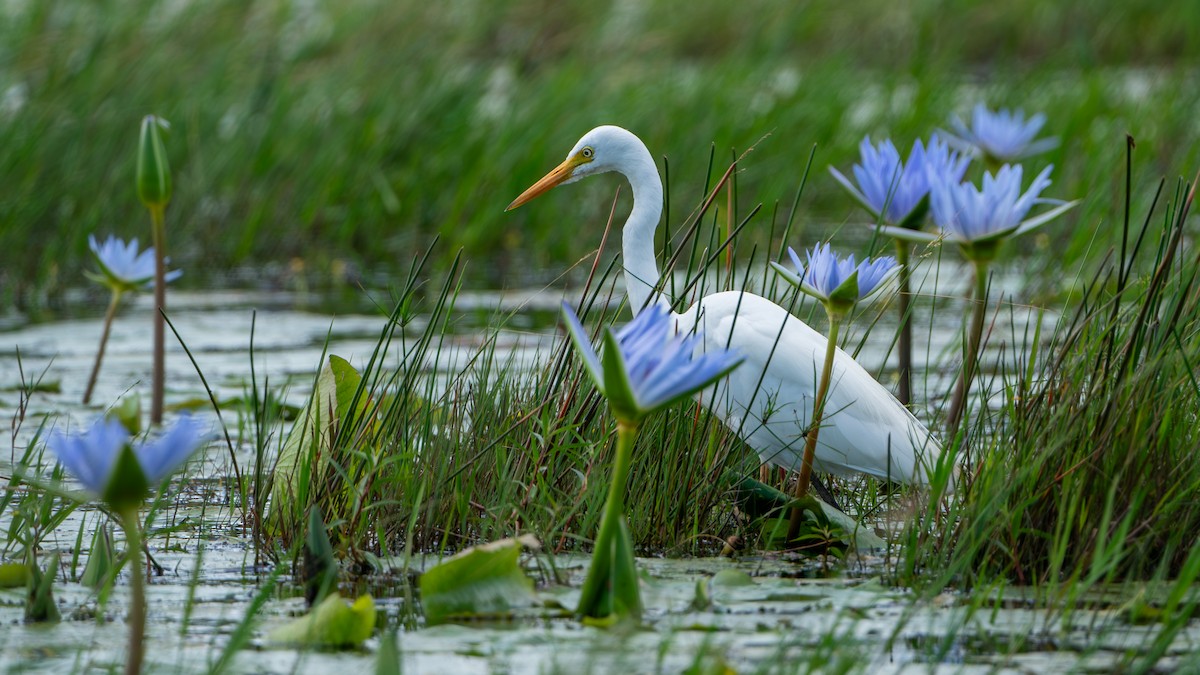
(160, 305)
(905, 345)
(971, 353)
(137, 602)
(615, 504)
(600, 573)
(108, 319)
(810, 444)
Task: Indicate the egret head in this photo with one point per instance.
(606, 148)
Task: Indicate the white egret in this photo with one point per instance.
(768, 401)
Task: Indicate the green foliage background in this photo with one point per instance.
(346, 135)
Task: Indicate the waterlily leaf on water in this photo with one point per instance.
(304, 458)
(731, 578)
(333, 623)
(480, 582)
(707, 587)
(39, 387)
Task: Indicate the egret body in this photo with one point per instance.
(768, 400)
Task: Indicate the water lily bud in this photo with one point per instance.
(153, 172)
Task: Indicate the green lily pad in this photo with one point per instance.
(482, 582)
(333, 624)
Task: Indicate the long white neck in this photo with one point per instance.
(637, 238)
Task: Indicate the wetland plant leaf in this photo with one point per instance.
(304, 459)
(101, 566)
(39, 603)
(612, 591)
(387, 661)
(482, 582)
(128, 411)
(320, 566)
(627, 595)
(333, 624)
(759, 500)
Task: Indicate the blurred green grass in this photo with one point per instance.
(348, 135)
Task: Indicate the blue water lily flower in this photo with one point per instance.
(1001, 136)
(838, 283)
(646, 365)
(978, 218)
(91, 456)
(893, 191)
(122, 267)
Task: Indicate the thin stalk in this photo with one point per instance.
(600, 571)
(108, 319)
(160, 306)
(971, 353)
(614, 506)
(810, 443)
(905, 346)
(137, 603)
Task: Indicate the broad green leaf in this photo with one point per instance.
(346, 380)
(102, 560)
(128, 411)
(732, 577)
(611, 590)
(332, 624)
(759, 500)
(320, 566)
(39, 603)
(626, 590)
(304, 457)
(480, 582)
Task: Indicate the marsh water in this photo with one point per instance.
(793, 615)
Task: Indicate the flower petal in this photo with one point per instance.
(161, 456)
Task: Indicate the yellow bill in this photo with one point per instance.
(556, 177)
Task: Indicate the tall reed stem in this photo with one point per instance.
(810, 444)
(160, 306)
(971, 353)
(108, 319)
(137, 602)
(905, 346)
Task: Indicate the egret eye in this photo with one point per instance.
(586, 152)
